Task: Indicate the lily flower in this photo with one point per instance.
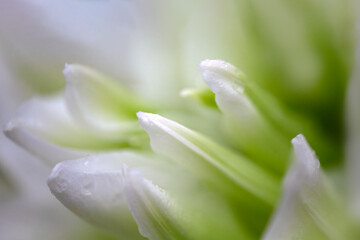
(106, 192)
(142, 163)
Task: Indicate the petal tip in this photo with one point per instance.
(299, 139)
(304, 153)
(72, 72)
(9, 127)
(140, 114)
(55, 182)
(219, 66)
(211, 63)
(68, 70)
(146, 118)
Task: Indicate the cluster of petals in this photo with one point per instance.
(184, 184)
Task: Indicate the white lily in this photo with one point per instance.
(237, 164)
(86, 186)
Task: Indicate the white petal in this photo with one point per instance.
(97, 100)
(245, 125)
(93, 188)
(38, 123)
(308, 209)
(223, 80)
(44, 150)
(219, 169)
(206, 159)
(48, 119)
(154, 211)
(306, 158)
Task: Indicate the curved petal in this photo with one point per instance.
(309, 208)
(246, 126)
(252, 189)
(195, 214)
(46, 151)
(93, 189)
(156, 214)
(203, 157)
(98, 100)
(48, 119)
(261, 125)
(98, 190)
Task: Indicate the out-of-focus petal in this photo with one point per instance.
(48, 119)
(202, 95)
(309, 208)
(99, 100)
(46, 151)
(353, 133)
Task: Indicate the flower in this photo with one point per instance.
(102, 189)
(224, 156)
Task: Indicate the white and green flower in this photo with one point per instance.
(161, 157)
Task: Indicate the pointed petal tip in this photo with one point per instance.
(52, 182)
(222, 77)
(300, 144)
(299, 139)
(9, 127)
(72, 71)
(211, 63)
(304, 153)
(68, 69)
(147, 118)
(140, 114)
(219, 66)
(60, 178)
(206, 64)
